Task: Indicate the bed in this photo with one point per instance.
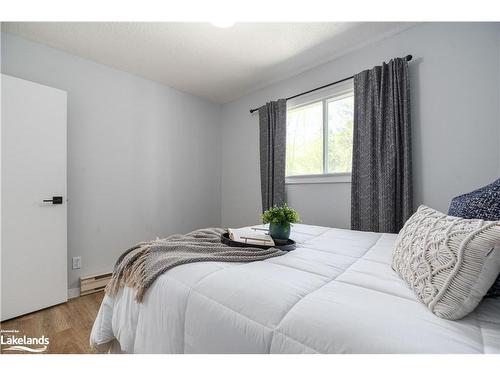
(336, 293)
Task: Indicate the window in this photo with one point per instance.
(319, 136)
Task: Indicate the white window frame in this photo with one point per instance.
(329, 94)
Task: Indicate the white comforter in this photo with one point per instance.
(336, 293)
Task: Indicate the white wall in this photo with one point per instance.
(455, 114)
(498, 41)
(143, 159)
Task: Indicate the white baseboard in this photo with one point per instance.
(73, 293)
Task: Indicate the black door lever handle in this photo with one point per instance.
(54, 200)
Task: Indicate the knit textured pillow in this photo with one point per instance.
(449, 262)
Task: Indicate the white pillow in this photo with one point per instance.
(449, 262)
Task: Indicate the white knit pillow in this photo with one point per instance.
(449, 262)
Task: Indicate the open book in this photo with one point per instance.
(251, 235)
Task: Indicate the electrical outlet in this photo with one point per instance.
(77, 263)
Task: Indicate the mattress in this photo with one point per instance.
(336, 293)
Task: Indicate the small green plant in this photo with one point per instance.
(283, 216)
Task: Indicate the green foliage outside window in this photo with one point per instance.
(304, 147)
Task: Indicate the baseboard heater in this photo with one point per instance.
(93, 284)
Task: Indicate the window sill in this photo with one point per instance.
(333, 178)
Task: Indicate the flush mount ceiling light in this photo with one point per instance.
(223, 24)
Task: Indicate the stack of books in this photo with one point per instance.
(251, 235)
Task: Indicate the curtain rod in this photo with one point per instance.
(408, 58)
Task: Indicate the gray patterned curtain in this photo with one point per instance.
(381, 191)
(272, 123)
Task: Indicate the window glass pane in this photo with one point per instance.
(304, 143)
(340, 119)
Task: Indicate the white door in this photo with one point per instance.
(34, 230)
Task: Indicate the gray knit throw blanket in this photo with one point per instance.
(139, 266)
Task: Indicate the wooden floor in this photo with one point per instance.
(66, 325)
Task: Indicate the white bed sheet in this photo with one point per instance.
(336, 293)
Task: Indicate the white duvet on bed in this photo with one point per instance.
(336, 293)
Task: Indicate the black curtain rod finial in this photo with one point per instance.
(407, 57)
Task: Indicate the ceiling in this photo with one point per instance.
(220, 64)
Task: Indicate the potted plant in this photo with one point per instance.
(280, 220)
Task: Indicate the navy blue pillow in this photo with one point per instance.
(483, 203)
